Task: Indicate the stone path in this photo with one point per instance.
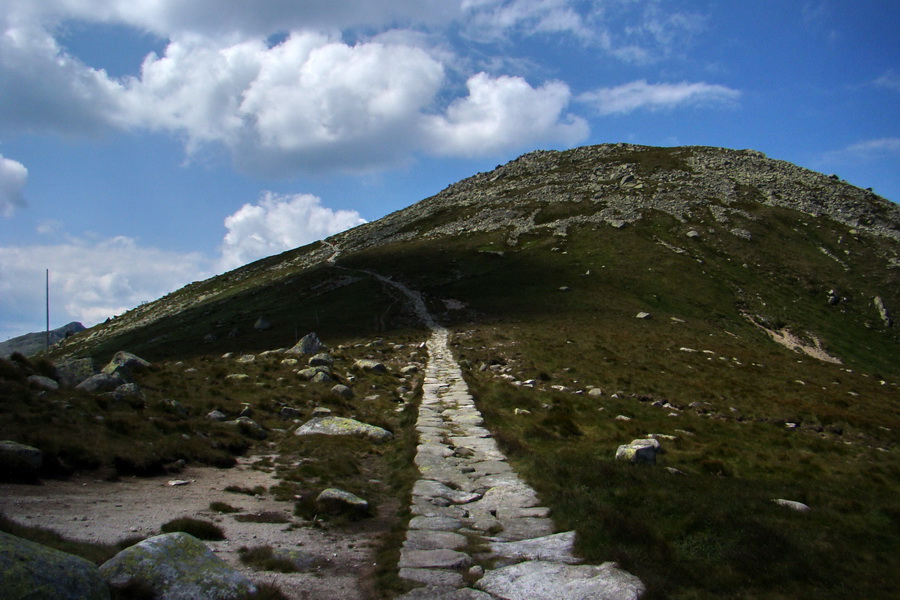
(470, 509)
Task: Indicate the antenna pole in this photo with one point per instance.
(48, 311)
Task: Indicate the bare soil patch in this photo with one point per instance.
(89, 509)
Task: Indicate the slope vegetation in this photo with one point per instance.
(765, 361)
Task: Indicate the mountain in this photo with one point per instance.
(738, 309)
(32, 343)
(727, 237)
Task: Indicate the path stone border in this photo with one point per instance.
(470, 508)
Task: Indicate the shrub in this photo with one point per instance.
(223, 507)
(198, 528)
(263, 558)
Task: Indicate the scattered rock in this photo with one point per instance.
(343, 426)
(342, 390)
(250, 427)
(639, 452)
(287, 413)
(73, 371)
(792, 504)
(693, 234)
(262, 324)
(247, 359)
(595, 392)
(125, 363)
(334, 501)
(310, 344)
(42, 383)
(322, 359)
(216, 415)
(33, 572)
(366, 364)
(176, 566)
(101, 382)
(409, 370)
(883, 312)
(642, 315)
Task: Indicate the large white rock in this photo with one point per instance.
(539, 580)
(343, 426)
(177, 566)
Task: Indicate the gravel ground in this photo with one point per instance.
(88, 509)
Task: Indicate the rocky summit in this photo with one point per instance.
(615, 371)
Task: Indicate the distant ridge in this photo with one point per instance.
(32, 343)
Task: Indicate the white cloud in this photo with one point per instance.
(46, 90)
(866, 150)
(278, 223)
(636, 32)
(889, 80)
(639, 94)
(92, 280)
(89, 281)
(13, 176)
(502, 113)
(311, 103)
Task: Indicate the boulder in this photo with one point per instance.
(342, 390)
(262, 324)
(322, 359)
(321, 377)
(309, 373)
(343, 426)
(74, 371)
(125, 363)
(336, 502)
(310, 344)
(101, 382)
(216, 415)
(639, 452)
(541, 580)
(35, 572)
(42, 383)
(366, 364)
(250, 428)
(287, 413)
(176, 566)
(18, 461)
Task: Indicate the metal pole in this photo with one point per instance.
(48, 311)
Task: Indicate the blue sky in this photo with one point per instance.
(145, 144)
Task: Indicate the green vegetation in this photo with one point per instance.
(263, 558)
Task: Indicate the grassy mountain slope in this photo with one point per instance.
(540, 268)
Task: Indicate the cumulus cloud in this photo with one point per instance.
(13, 176)
(278, 223)
(311, 103)
(639, 94)
(46, 90)
(89, 281)
(504, 112)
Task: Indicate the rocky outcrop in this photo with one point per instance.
(176, 566)
(34, 572)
